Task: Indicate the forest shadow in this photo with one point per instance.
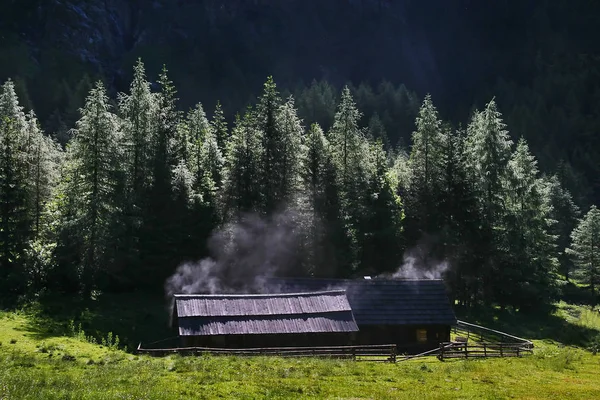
(540, 325)
(133, 317)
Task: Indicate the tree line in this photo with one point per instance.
(141, 185)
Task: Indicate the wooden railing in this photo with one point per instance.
(481, 350)
(480, 334)
(382, 353)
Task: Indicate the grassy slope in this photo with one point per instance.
(35, 366)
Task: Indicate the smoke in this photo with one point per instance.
(243, 255)
(412, 269)
(418, 263)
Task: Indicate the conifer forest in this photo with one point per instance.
(115, 190)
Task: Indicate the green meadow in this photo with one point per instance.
(73, 355)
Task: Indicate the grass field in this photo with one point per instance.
(52, 358)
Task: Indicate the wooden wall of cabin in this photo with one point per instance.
(409, 339)
(273, 340)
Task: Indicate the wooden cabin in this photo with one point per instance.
(416, 315)
(321, 318)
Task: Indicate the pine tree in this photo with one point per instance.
(426, 173)
(44, 158)
(266, 119)
(346, 137)
(317, 103)
(199, 130)
(460, 221)
(242, 189)
(138, 110)
(585, 249)
(328, 244)
(350, 150)
(528, 247)
(377, 130)
(381, 225)
(92, 182)
(162, 236)
(219, 126)
(288, 164)
(566, 214)
(487, 152)
(15, 219)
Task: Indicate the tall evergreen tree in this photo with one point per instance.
(381, 225)
(266, 119)
(350, 150)
(15, 219)
(199, 131)
(460, 221)
(529, 248)
(288, 164)
(162, 236)
(328, 247)
(426, 173)
(138, 111)
(585, 249)
(92, 185)
(44, 158)
(487, 151)
(566, 214)
(219, 126)
(242, 190)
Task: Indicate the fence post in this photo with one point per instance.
(466, 351)
(484, 350)
(501, 354)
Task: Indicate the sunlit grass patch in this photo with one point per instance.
(69, 365)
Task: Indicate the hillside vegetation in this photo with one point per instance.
(63, 362)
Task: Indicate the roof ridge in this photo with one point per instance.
(258, 295)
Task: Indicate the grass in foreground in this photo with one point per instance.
(34, 366)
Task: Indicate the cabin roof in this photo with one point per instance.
(384, 301)
(230, 314)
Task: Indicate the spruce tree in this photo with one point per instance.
(566, 214)
(322, 210)
(350, 150)
(162, 236)
(585, 249)
(92, 183)
(487, 152)
(426, 174)
(381, 226)
(138, 111)
(219, 126)
(288, 164)
(44, 158)
(242, 189)
(266, 119)
(460, 221)
(528, 246)
(199, 131)
(15, 219)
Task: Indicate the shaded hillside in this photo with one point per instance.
(538, 57)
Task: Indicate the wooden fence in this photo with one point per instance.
(481, 350)
(381, 353)
(481, 334)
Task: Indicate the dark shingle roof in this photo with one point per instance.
(326, 311)
(385, 301)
